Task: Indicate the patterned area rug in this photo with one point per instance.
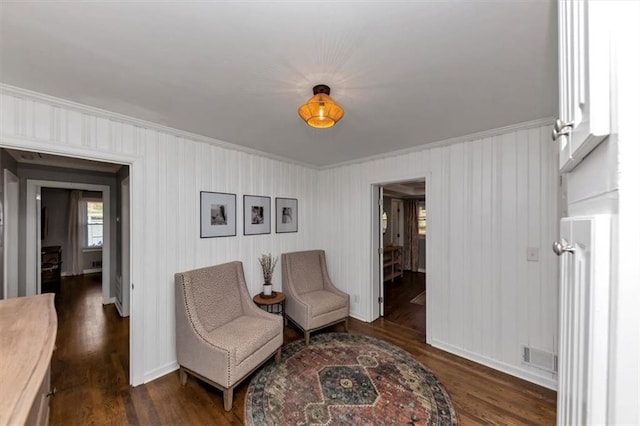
(346, 379)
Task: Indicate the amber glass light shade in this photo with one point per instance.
(321, 111)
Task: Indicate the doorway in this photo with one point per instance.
(400, 269)
(57, 162)
(34, 232)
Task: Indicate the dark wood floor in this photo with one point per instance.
(398, 308)
(91, 363)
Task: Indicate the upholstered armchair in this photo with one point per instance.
(221, 335)
(313, 301)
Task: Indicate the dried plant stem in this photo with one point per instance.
(268, 264)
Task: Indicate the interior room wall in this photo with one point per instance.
(489, 198)
(56, 201)
(169, 170)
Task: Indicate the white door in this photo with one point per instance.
(583, 31)
(584, 319)
(10, 242)
(381, 248)
(125, 253)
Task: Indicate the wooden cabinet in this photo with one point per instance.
(28, 327)
(584, 83)
(392, 262)
(50, 267)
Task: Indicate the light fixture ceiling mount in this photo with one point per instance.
(321, 112)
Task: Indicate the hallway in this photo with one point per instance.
(90, 365)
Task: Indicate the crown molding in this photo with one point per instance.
(452, 141)
(114, 116)
(63, 103)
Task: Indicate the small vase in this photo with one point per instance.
(267, 289)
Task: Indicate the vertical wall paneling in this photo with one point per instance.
(489, 200)
(167, 174)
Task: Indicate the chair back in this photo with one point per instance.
(306, 269)
(212, 294)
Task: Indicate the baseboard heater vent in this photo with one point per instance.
(541, 359)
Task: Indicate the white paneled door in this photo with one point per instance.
(585, 251)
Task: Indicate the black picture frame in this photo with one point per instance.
(217, 214)
(286, 215)
(257, 215)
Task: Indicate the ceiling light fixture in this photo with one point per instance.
(321, 112)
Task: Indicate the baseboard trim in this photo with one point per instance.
(161, 371)
(497, 365)
(109, 301)
(358, 317)
(91, 271)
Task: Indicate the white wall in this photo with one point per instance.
(487, 201)
(169, 169)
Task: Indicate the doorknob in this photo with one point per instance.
(559, 125)
(556, 134)
(559, 248)
(560, 128)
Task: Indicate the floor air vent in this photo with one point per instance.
(545, 360)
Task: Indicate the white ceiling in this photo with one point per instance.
(406, 73)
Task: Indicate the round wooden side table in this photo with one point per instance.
(273, 304)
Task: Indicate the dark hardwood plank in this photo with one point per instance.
(90, 369)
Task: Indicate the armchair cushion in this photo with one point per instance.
(321, 302)
(245, 335)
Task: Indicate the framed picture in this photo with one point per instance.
(257, 215)
(286, 215)
(217, 214)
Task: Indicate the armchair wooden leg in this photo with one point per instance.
(346, 325)
(279, 355)
(307, 336)
(183, 376)
(227, 394)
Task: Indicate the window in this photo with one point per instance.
(94, 224)
(422, 220)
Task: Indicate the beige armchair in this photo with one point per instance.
(313, 302)
(221, 335)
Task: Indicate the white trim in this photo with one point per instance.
(93, 271)
(101, 113)
(497, 365)
(10, 211)
(161, 371)
(110, 301)
(358, 317)
(91, 249)
(46, 147)
(452, 141)
(32, 274)
(63, 103)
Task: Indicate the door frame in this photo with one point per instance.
(33, 243)
(136, 194)
(376, 266)
(125, 234)
(11, 200)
